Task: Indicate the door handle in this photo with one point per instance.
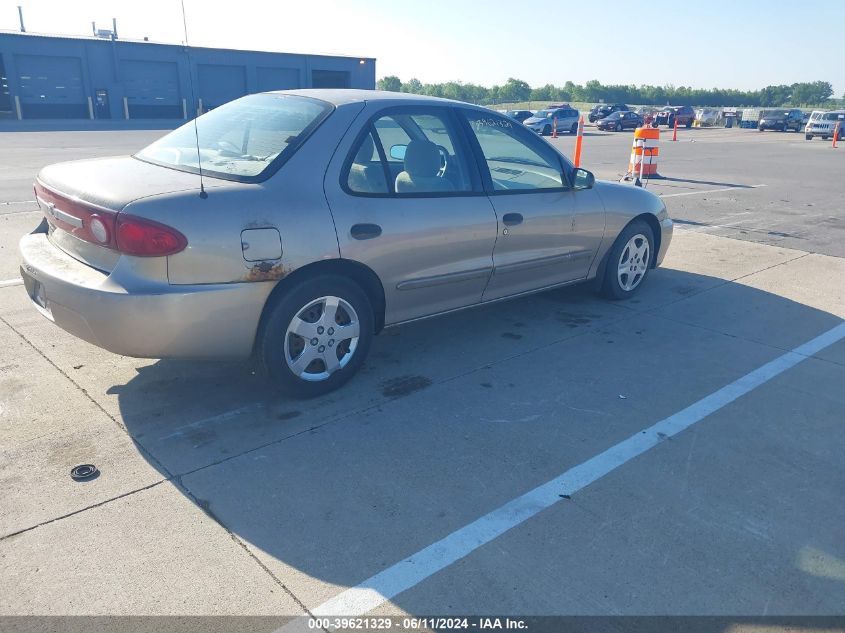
(365, 231)
(512, 219)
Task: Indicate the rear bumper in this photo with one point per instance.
(127, 315)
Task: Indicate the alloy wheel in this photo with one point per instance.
(321, 338)
(633, 262)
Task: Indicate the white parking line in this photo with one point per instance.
(460, 543)
(11, 282)
(695, 193)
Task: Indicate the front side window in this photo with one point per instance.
(408, 153)
(241, 140)
(517, 161)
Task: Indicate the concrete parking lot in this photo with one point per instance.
(678, 454)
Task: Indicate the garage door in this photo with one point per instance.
(152, 89)
(51, 87)
(277, 78)
(219, 84)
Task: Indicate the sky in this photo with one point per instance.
(744, 45)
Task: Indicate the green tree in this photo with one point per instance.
(391, 82)
(413, 86)
(515, 90)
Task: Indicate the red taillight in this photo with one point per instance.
(117, 231)
(145, 238)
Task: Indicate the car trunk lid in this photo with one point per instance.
(72, 195)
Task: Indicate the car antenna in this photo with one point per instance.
(203, 194)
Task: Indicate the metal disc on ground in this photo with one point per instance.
(84, 472)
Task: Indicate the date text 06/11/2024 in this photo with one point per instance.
(415, 624)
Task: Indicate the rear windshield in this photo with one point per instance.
(833, 116)
(245, 140)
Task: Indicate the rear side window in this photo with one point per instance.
(409, 153)
(517, 160)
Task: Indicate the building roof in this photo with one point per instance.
(123, 40)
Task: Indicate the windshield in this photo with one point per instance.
(544, 114)
(241, 139)
(775, 113)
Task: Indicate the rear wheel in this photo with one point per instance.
(689, 123)
(628, 261)
(618, 127)
(547, 130)
(316, 336)
(574, 129)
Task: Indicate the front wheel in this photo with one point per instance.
(808, 137)
(573, 129)
(689, 123)
(618, 127)
(628, 261)
(316, 336)
(547, 130)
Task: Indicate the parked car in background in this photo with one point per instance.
(708, 117)
(518, 115)
(619, 121)
(542, 121)
(396, 213)
(783, 120)
(825, 125)
(814, 116)
(602, 110)
(684, 115)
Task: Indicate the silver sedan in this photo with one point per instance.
(295, 226)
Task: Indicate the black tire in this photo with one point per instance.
(618, 127)
(760, 128)
(271, 348)
(689, 123)
(824, 138)
(611, 287)
(574, 129)
(547, 130)
(670, 122)
(809, 137)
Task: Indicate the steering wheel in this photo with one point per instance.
(444, 161)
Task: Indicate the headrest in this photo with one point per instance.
(422, 158)
(365, 152)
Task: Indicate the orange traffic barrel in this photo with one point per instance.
(644, 152)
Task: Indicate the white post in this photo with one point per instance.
(199, 106)
(90, 108)
(126, 108)
(18, 107)
(184, 108)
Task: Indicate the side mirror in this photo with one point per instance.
(397, 152)
(582, 179)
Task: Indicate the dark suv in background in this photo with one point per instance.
(603, 110)
(783, 120)
(519, 115)
(685, 115)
